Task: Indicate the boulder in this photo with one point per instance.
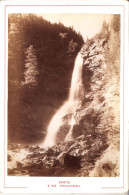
(19, 164)
(77, 131)
(26, 146)
(60, 158)
(82, 137)
(50, 152)
(72, 161)
(9, 158)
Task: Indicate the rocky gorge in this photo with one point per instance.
(94, 147)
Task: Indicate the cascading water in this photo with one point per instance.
(56, 121)
(76, 79)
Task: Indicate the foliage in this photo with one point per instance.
(31, 71)
(72, 46)
(39, 72)
(115, 24)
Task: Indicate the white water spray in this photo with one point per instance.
(76, 79)
(56, 121)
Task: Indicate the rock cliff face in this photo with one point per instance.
(94, 147)
(97, 114)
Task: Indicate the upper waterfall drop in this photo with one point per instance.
(56, 120)
(76, 80)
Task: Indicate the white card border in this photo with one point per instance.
(7, 185)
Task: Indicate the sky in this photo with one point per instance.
(86, 24)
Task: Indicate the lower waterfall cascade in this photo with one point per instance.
(56, 121)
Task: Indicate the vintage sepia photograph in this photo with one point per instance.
(64, 95)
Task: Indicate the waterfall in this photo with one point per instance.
(76, 79)
(56, 120)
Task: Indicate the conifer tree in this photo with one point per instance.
(31, 72)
